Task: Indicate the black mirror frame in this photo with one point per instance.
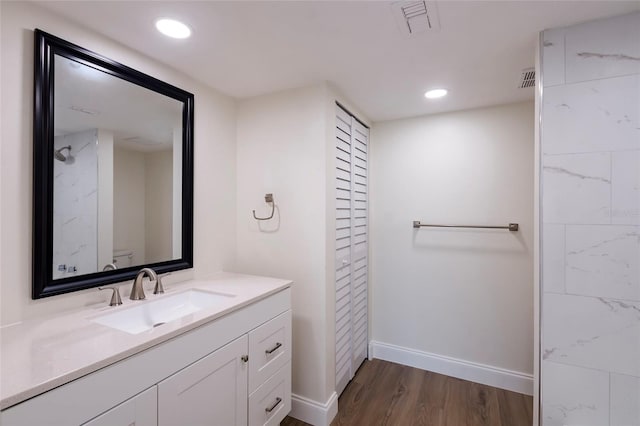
(46, 46)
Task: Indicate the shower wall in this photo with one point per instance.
(590, 213)
(75, 205)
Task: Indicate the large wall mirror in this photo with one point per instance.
(113, 171)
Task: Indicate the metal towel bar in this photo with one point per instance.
(511, 227)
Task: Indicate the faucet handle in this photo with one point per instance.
(115, 296)
(159, 289)
(109, 267)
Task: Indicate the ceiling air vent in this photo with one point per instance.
(527, 78)
(415, 17)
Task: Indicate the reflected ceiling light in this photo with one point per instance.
(172, 28)
(435, 93)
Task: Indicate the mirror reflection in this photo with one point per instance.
(117, 191)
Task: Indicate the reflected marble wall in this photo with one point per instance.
(75, 205)
(591, 224)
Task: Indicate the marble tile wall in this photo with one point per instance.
(590, 372)
(75, 205)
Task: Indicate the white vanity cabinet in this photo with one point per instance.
(248, 381)
(141, 410)
(234, 370)
(212, 391)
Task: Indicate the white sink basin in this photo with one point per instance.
(150, 314)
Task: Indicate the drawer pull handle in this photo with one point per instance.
(275, 404)
(244, 358)
(275, 348)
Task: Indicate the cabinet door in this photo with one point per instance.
(211, 391)
(141, 410)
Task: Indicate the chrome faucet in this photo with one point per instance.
(109, 267)
(137, 291)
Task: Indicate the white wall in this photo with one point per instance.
(143, 204)
(159, 200)
(281, 150)
(286, 147)
(454, 293)
(215, 160)
(590, 196)
(129, 203)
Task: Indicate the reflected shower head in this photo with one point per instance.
(60, 156)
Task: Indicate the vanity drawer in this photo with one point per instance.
(269, 349)
(271, 402)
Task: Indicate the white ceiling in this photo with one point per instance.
(248, 48)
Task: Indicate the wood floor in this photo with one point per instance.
(384, 393)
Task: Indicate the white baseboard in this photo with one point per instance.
(466, 370)
(313, 412)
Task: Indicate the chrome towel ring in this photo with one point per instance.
(268, 198)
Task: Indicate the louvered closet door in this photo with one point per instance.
(359, 244)
(351, 246)
(344, 330)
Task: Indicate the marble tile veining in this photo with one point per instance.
(592, 332)
(625, 400)
(625, 187)
(603, 261)
(600, 115)
(553, 253)
(577, 188)
(574, 396)
(603, 48)
(553, 63)
(590, 188)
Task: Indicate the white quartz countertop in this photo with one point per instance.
(41, 354)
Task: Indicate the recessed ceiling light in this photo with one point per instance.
(173, 28)
(435, 93)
